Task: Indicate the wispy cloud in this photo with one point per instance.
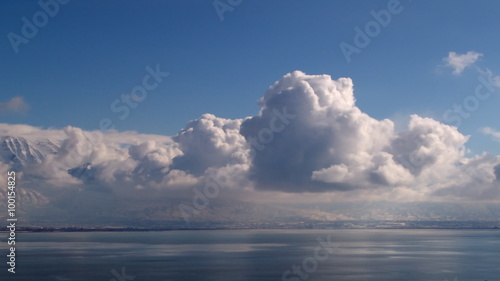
(461, 61)
(489, 131)
(14, 105)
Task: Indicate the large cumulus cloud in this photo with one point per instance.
(330, 144)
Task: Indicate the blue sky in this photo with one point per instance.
(91, 52)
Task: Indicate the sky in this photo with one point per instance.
(396, 70)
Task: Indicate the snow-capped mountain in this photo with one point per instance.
(20, 152)
(84, 172)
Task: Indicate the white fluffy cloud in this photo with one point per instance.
(209, 142)
(458, 62)
(15, 105)
(330, 144)
(477, 178)
(309, 137)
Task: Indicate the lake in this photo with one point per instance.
(221, 255)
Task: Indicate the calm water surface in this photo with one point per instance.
(257, 255)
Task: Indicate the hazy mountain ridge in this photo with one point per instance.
(414, 211)
(100, 209)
